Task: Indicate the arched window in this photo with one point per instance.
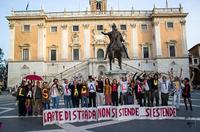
(100, 54)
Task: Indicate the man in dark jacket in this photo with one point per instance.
(21, 97)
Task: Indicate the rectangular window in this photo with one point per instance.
(53, 28)
(25, 54)
(75, 28)
(122, 27)
(170, 25)
(144, 27)
(76, 54)
(146, 52)
(172, 51)
(100, 27)
(196, 62)
(53, 55)
(26, 28)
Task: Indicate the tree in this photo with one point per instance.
(3, 70)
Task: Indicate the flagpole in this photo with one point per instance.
(79, 4)
(118, 5)
(166, 3)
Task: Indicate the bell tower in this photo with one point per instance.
(98, 5)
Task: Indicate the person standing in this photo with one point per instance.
(38, 99)
(75, 94)
(100, 92)
(164, 87)
(84, 95)
(107, 92)
(177, 91)
(186, 93)
(55, 94)
(45, 96)
(130, 93)
(139, 91)
(67, 94)
(29, 99)
(92, 92)
(21, 97)
(123, 91)
(114, 93)
(154, 90)
(147, 86)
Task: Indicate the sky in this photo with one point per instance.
(189, 6)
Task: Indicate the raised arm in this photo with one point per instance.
(181, 73)
(105, 33)
(170, 76)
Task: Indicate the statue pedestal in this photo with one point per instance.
(116, 74)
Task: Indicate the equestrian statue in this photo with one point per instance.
(115, 47)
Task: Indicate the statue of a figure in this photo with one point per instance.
(115, 47)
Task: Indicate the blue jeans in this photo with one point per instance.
(84, 101)
(176, 100)
(68, 101)
(55, 101)
(46, 105)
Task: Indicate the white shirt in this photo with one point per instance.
(66, 89)
(54, 91)
(124, 86)
(146, 86)
(164, 86)
(91, 87)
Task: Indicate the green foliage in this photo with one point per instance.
(3, 69)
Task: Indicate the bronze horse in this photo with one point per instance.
(116, 47)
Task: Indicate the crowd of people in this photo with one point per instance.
(146, 89)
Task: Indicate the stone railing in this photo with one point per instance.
(82, 13)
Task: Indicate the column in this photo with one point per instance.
(41, 42)
(156, 27)
(64, 42)
(184, 38)
(12, 41)
(134, 40)
(86, 43)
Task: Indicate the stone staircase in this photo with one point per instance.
(73, 71)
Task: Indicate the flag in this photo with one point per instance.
(27, 6)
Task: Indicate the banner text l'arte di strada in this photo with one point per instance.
(126, 112)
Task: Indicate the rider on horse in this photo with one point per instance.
(115, 38)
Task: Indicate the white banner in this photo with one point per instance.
(125, 112)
